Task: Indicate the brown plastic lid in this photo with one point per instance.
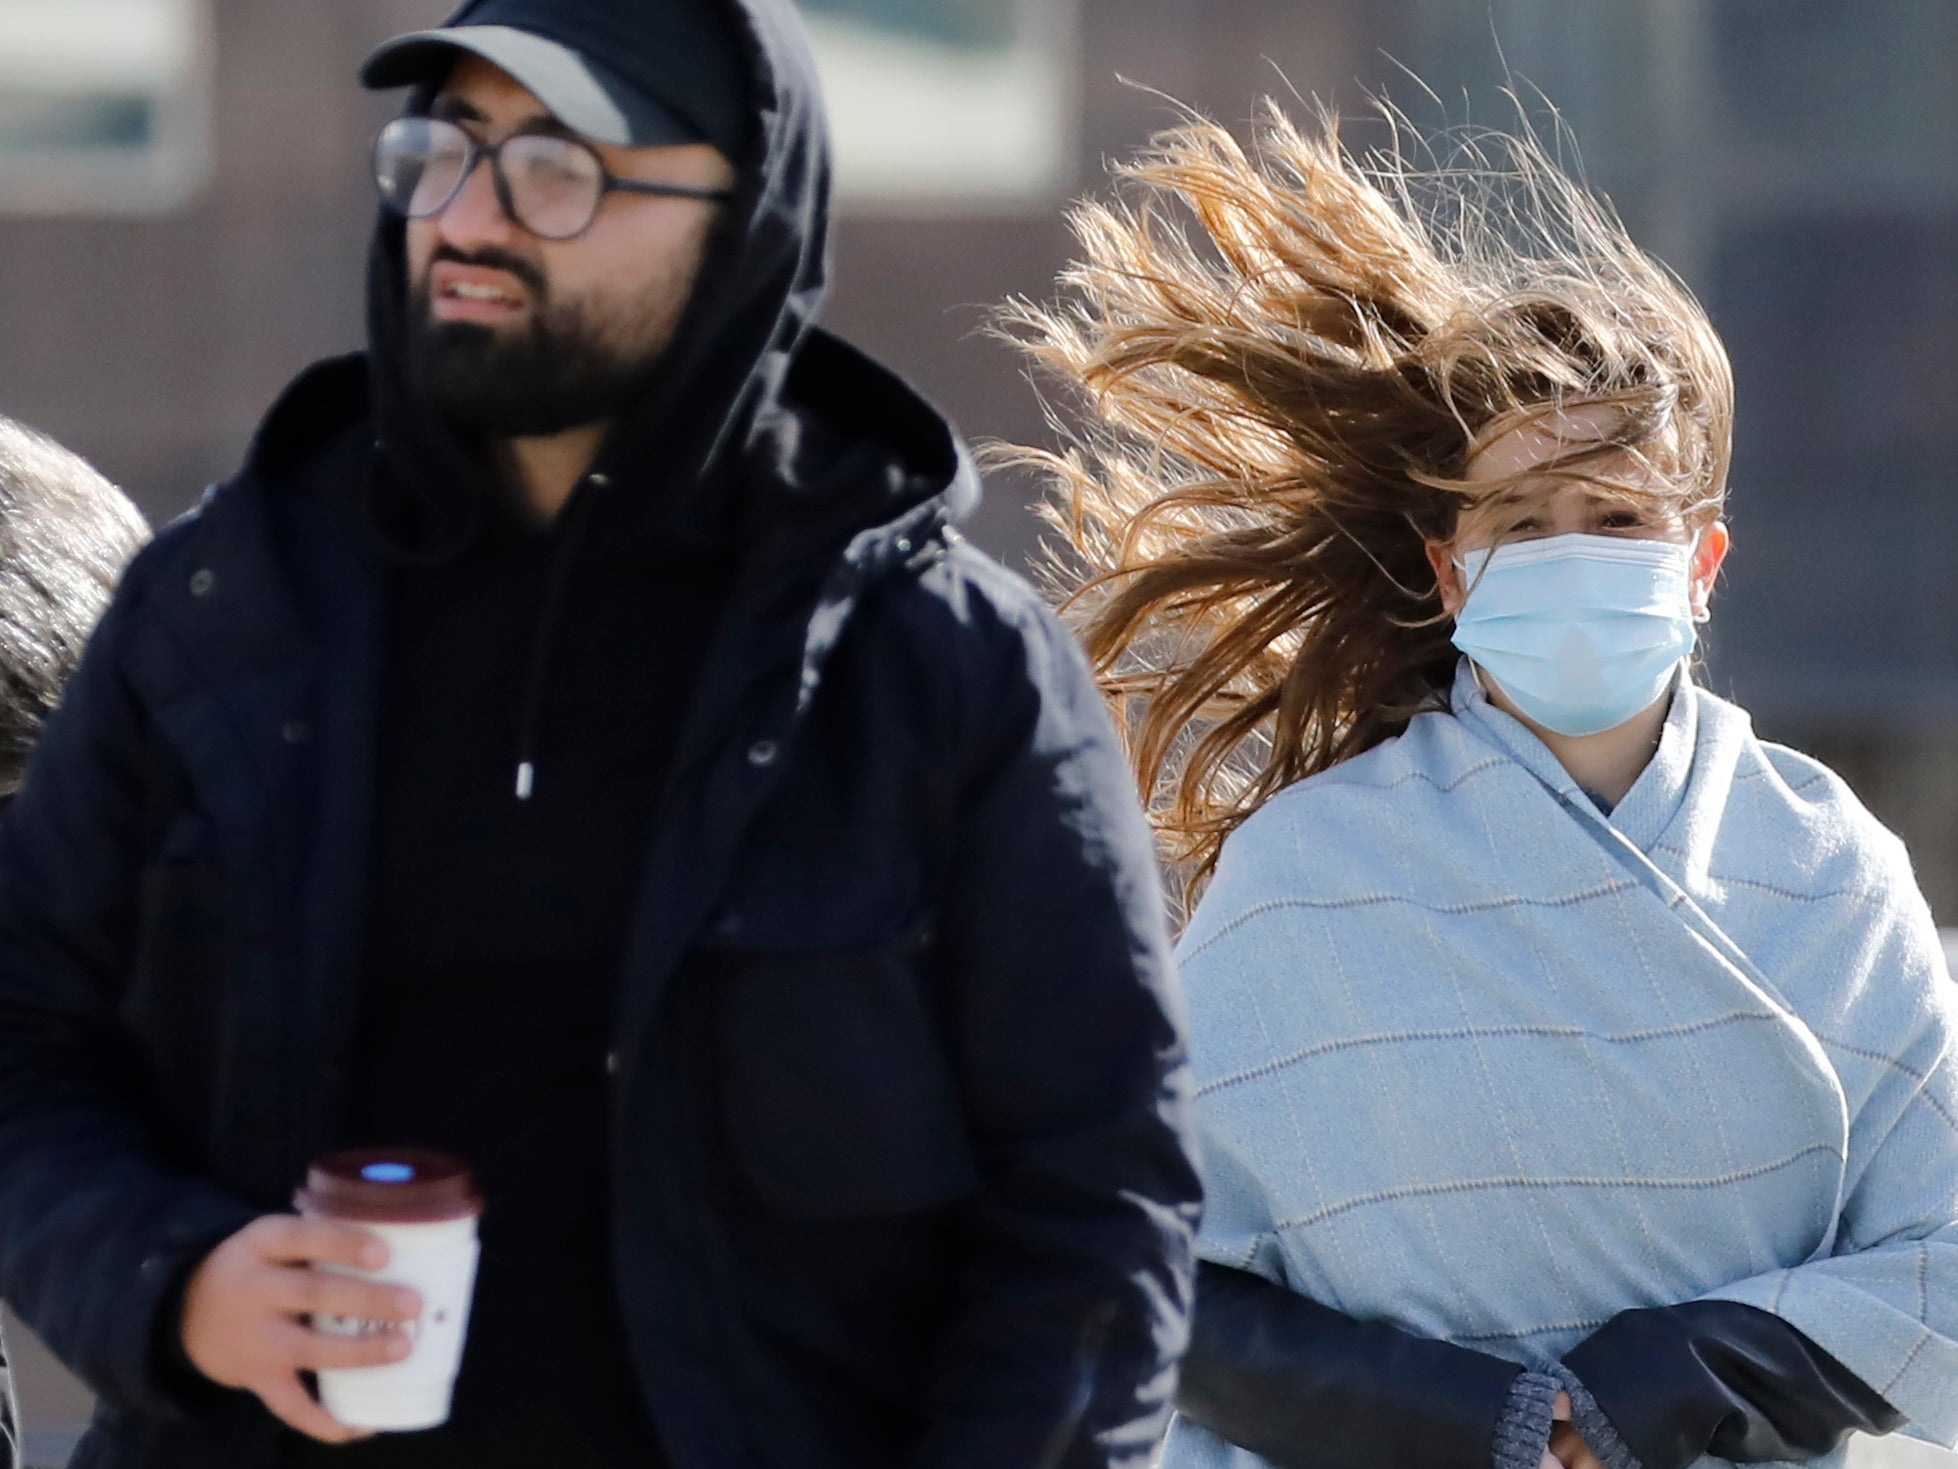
(389, 1186)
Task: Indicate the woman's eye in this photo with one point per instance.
(1622, 520)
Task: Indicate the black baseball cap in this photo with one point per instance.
(638, 73)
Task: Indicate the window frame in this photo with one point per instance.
(161, 176)
(1047, 37)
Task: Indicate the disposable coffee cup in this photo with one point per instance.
(424, 1206)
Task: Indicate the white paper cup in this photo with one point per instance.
(424, 1207)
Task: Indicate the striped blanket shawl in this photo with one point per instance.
(1480, 1062)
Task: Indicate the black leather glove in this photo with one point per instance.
(1308, 1387)
(1717, 1377)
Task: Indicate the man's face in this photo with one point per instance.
(515, 336)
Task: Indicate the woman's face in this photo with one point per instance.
(1555, 506)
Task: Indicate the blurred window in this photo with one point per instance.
(104, 105)
(1758, 104)
(1840, 97)
(1592, 64)
(947, 104)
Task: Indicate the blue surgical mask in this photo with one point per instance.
(1581, 632)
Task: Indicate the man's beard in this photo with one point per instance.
(562, 369)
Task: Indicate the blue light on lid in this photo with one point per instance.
(388, 1173)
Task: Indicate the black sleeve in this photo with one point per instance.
(1717, 1377)
(1074, 1287)
(1308, 1387)
(95, 1220)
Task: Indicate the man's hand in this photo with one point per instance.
(245, 1310)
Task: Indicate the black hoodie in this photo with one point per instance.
(535, 684)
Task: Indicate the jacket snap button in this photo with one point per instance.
(203, 582)
(296, 731)
(611, 1063)
(904, 547)
(763, 753)
(600, 481)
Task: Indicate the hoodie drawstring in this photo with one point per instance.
(544, 642)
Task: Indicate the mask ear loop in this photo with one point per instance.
(1475, 669)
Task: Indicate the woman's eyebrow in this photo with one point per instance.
(1532, 491)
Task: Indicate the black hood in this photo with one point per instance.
(715, 396)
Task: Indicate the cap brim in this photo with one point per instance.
(587, 98)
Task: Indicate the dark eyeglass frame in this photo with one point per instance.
(475, 150)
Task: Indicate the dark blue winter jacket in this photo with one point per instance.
(900, 1156)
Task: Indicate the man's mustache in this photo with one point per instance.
(493, 259)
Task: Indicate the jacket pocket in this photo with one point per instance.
(837, 1093)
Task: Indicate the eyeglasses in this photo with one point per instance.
(550, 185)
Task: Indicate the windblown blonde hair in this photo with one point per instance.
(1282, 403)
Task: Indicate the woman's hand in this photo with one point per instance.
(1567, 1447)
(1569, 1450)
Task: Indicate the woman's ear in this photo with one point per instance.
(1448, 577)
(1708, 557)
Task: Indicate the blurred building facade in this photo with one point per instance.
(183, 220)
